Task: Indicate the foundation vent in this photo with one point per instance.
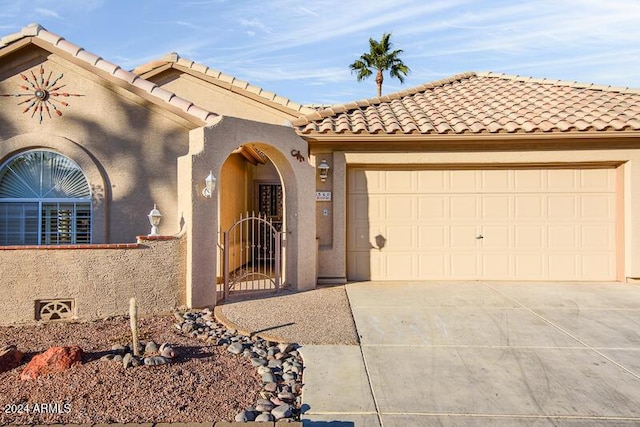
(55, 309)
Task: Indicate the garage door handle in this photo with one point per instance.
(479, 237)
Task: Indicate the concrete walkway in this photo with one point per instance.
(481, 354)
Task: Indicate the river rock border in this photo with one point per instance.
(151, 354)
(279, 365)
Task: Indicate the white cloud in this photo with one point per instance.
(189, 25)
(308, 11)
(280, 73)
(255, 24)
(611, 58)
(202, 3)
(47, 12)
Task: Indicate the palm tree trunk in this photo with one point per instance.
(379, 79)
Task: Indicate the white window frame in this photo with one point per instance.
(49, 230)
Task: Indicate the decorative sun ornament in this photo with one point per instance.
(42, 94)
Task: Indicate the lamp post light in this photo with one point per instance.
(154, 219)
(209, 185)
(323, 168)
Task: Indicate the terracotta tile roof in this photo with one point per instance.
(224, 80)
(37, 31)
(474, 103)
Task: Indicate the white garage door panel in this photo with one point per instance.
(527, 224)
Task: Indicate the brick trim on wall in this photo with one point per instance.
(67, 247)
(91, 246)
(156, 238)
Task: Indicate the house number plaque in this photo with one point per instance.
(323, 196)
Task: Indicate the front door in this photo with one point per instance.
(270, 202)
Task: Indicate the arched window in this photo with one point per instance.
(44, 200)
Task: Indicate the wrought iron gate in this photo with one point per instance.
(251, 253)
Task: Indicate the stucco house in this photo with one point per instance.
(480, 176)
(87, 157)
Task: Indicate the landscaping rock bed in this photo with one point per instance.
(203, 383)
(279, 366)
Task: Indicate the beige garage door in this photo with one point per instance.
(494, 224)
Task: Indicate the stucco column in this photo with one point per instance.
(332, 249)
(199, 219)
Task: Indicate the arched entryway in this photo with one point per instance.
(251, 211)
(210, 148)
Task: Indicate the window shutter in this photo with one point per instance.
(43, 174)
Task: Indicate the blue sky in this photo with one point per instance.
(301, 49)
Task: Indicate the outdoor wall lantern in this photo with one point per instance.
(323, 167)
(154, 219)
(209, 185)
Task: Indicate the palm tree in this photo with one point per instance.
(380, 58)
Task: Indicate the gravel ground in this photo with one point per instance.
(205, 384)
(319, 316)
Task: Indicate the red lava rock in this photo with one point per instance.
(10, 358)
(56, 359)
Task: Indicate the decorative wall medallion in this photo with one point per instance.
(42, 94)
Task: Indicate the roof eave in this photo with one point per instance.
(391, 142)
(153, 71)
(467, 135)
(250, 154)
(216, 81)
(14, 46)
(129, 86)
(164, 101)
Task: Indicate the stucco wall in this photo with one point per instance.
(234, 192)
(324, 209)
(126, 145)
(101, 281)
(220, 100)
(331, 228)
(265, 173)
(234, 196)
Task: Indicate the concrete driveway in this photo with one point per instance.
(481, 354)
